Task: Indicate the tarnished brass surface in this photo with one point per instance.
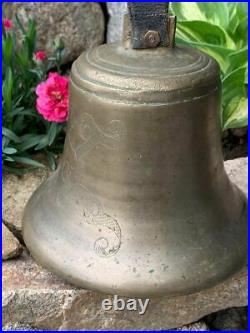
(140, 204)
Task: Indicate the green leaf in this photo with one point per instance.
(51, 160)
(9, 151)
(239, 116)
(18, 124)
(213, 12)
(7, 90)
(204, 32)
(5, 142)
(246, 77)
(7, 50)
(241, 10)
(238, 59)
(233, 17)
(44, 142)
(52, 133)
(22, 59)
(187, 11)
(22, 112)
(38, 72)
(30, 38)
(11, 135)
(233, 95)
(238, 15)
(29, 142)
(8, 158)
(220, 54)
(240, 35)
(28, 161)
(233, 85)
(17, 102)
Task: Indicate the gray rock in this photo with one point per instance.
(237, 171)
(116, 11)
(234, 319)
(11, 248)
(16, 190)
(79, 24)
(18, 327)
(199, 326)
(35, 297)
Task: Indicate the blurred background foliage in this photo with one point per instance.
(221, 30)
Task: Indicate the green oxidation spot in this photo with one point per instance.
(151, 271)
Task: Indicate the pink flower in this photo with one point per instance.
(40, 55)
(53, 98)
(7, 24)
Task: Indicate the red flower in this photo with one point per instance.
(40, 55)
(7, 24)
(53, 98)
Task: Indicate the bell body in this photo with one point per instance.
(141, 204)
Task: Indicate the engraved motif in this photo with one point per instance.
(92, 135)
(89, 135)
(94, 214)
(103, 246)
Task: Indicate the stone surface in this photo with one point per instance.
(238, 172)
(79, 24)
(234, 319)
(200, 326)
(18, 327)
(16, 190)
(116, 11)
(11, 247)
(35, 297)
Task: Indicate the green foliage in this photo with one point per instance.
(220, 29)
(25, 132)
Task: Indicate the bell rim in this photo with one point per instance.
(49, 261)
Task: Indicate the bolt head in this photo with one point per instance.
(152, 38)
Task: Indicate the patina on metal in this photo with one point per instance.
(141, 204)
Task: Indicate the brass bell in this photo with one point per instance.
(140, 204)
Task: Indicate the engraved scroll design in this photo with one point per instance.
(94, 214)
(92, 135)
(83, 140)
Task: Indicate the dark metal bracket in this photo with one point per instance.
(151, 25)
